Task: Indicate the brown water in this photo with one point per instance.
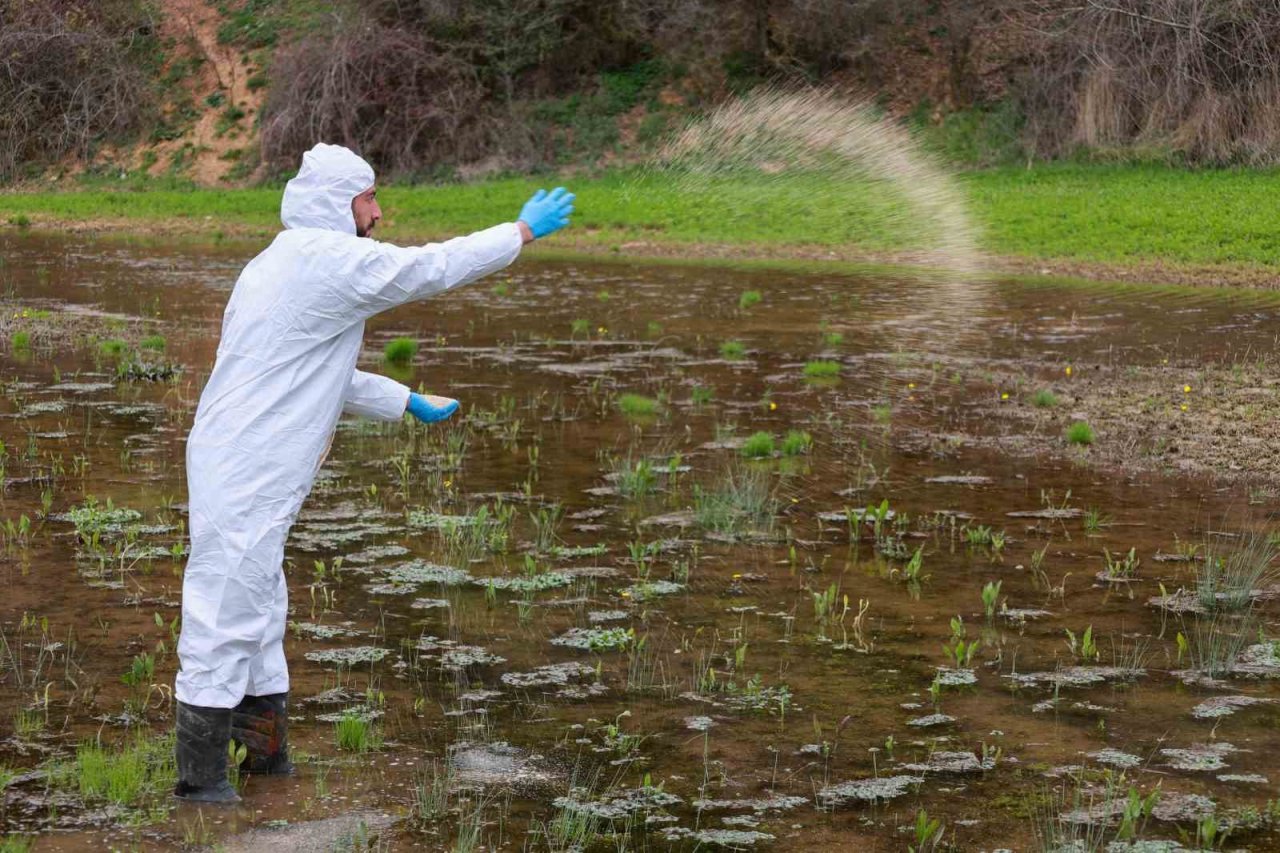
(795, 704)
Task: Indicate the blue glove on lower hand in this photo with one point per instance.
(429, 409)
(545, 214)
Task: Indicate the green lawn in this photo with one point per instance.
(1063, 211)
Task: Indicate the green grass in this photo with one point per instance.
(759, 445)
(1044, 399)
(1080, 433)
(636, 406)
(20, 340)
(733, 350)
(1115, 213)
(356, 734)
(400, 350)
(822, 369)
(796, 442)
(131, 774)
(113, 347)
(749, 298)
(153, 342)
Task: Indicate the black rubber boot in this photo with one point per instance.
(203, 737)
(261, 723)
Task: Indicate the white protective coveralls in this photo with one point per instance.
(285, 371)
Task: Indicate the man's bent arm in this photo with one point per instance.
(376, 397)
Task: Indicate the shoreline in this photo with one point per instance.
(599, 243)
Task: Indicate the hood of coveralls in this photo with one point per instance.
(320, 195)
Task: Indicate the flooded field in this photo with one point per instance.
(709, 559)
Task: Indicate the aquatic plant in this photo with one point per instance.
(155, 343)
(578, 327)
(832, 339)
(821, 369)
(733, 350)
(741, 500)
(928, 833)
(637, 406)
(356, 732)
(749, 298)
(133, 774)
(1043, 398)
(1080, 433)
(1121, 566)
(1095, 520)
(432, 792)
(112, 347)
(400, 351)
(20, 341)
(796, 442)
(759, 445)
(633, 476)
(1228, 579)
(701, 395)
(1082, 647)
(990, 597)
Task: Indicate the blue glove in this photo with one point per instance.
(428, 412)
(547, 214)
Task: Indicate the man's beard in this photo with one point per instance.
(363, 232)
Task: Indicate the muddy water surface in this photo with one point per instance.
(548, 608)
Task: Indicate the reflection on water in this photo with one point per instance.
(554, 609)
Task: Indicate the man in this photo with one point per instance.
(285, 371)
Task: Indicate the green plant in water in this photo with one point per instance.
(400, 351)
(796, 442)
(990, 597)
(637, 406)
(1044, 399)
(432, 792)
(759, 445)
(749, 298)
(633, 477)
(20, 341)
(356, 733)
(1082, 647)
(155, 343)
(139, 771)
(1121, 567)
(112, 347)
(1080, 433)
(821, 369)
(928, 833)
(911, 571)
(742, 500)
(1228, 579)
(978, 534)
(733, 350)
(702, 395)
(1095, 520)
(578, 327)
(823, 605)
(832, 339)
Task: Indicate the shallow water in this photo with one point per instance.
(796, 704)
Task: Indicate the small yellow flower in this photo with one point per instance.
(1184, 407)
(1068, 370)
(1186, 389)
(448, 483)
(795, 500)
(600, 330)
(911, 385)
(737, 575)
(773, 407)
(625, 594)
(1004, 396)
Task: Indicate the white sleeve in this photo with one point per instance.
(362, 277)
(379, 398)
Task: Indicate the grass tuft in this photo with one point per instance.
(1044, 399)
(822, 369)
(749, 298)
(759, 445)
(796, 442)
(400, 350)
(1080, 433)
(733, 350)
(637, 406)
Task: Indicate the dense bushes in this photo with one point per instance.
(1197, 80)
(72, 72)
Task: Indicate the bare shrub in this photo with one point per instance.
(1200, 79)
(71, 74)
(387, 92)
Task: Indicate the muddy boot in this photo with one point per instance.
(261, 723)
(203, 736)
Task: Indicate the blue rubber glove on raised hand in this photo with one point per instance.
(429, 409)
(547, 213)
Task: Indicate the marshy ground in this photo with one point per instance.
(785, 560)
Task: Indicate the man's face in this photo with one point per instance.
(365, 211)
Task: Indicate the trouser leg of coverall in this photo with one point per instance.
(268, 670)
(232, 614)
